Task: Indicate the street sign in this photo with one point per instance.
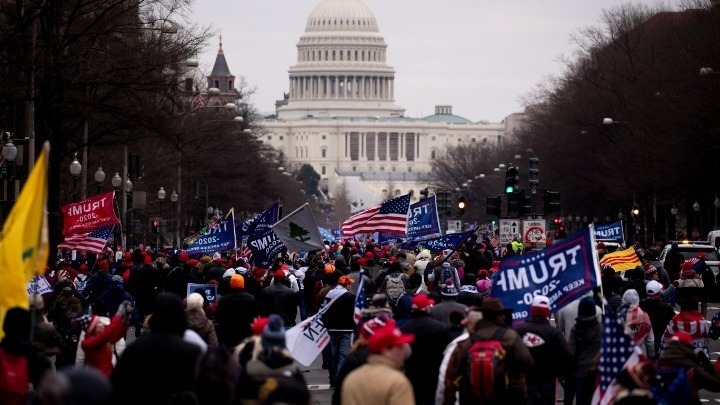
(534, 231)
(509, 228)
(454, 226)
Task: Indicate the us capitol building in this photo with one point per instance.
(340, 114)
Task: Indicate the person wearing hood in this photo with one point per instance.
(442, 273)
(637, 323)
(160, 364)
(585, 341)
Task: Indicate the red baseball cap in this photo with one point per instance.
(388, 337)
(371, 326)
(421, 302)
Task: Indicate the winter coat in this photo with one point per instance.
(280, 299)
(339, 317)
(692, 323)
(585, 341)
(98, 348)
(431, 337)
(198, 321)
(234, 314)
(549, 349)
(660, 313)
(679, 354)
(379, 383)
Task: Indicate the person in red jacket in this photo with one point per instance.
(99, 338)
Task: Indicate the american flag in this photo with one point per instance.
(359, 298)
(390, 216)
(617, 352)
(91, 242)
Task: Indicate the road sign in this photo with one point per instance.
(534, 231)
(454, 226)
(509, 228)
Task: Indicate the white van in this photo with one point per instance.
(714, 239)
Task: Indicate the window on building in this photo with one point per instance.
(354, 145)
(392, 169)
(432, 138)
(410, 146)
(382, 169)
(323, 137)
(472, 140)
(382, 146)
(323, 170)
(432, 154)
(370, 145)
(362, 55)
(397, 192)
(333, 55)
(323, 152)
(356, 55)
(217, 84)
(269, 137)
(341, 55)
(409, 169)
(281, 137)
(354, 168)
(394, 146)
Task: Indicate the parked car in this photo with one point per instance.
(690, 250)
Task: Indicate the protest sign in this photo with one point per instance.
(210, 291)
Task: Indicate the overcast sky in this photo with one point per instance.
(480, 56)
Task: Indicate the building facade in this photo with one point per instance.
(340, 114)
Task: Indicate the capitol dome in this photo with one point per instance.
(341, 67)
(341, 15)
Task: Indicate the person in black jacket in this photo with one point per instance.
(659, 312)
(431, 337)
(339, 319)
(549, 350)
(235, 313)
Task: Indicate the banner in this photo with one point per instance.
(209, 289)
(215, 239)
(440, 243)
(306, 340)
(299, 231)
(88, 214)
(385, 238)
(39, 286)
(563, 272)
(612, 232)
(262, 241)
(259, 222)
(423, 219)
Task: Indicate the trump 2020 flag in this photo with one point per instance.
(439, 243)
(616, 353)
(390, 216)
(423, 219)
(24, 245)
(562, 272)
(299, 231)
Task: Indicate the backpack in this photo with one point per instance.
(14, 377)
(673, 386)
(394, 288)
(485, 372)
(445, 274)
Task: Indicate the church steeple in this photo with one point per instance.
(221, 77)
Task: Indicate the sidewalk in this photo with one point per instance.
(317, 380)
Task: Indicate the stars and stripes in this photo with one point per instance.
(90, 242)
(390, 216)
(617, 352)
(360, 298)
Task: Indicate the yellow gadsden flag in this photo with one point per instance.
(24, 240)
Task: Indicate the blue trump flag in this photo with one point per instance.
(439, 243)
(262, 241)
(613, 231)
(423, 219)
(260, 222)
(563, 272)
(217, 238)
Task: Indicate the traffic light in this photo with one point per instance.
(559, 229)
(551, 202)
(534, 173)
(443, 201)
(511, 179)
(155, 225)
(513, 205)
(494, 205)
(525, 207)
(461, 205)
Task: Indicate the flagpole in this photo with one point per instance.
(458, 245)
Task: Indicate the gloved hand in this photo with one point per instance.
(125, 311)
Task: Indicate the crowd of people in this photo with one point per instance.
(429, 331)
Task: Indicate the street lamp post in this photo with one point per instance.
(99, 178)
(128, 214)
(75, 170)
(9, 153)
(673, 222)
(116, 183)
(174, 200)
(161, 196)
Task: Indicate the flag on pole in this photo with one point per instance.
(24, 245)
(617, 352)
(360, 298)
(91, 242)
(621, 260)
(390, 216)
(299, 231)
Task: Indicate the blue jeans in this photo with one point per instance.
(340, 343)
(301, 304)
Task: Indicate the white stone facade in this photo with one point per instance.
(340, 114)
